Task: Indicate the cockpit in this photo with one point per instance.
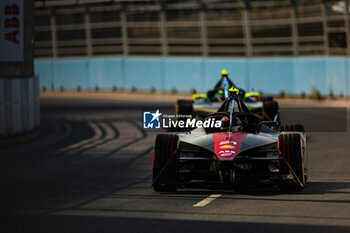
(234, 116)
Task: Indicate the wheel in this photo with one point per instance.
(181, 107)
(290, 145)
(184, 107)
(164, 163)
(267, 98)
(292, 128)
(271, 109)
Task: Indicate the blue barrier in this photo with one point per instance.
(69, 73)
(104, 73)
(143, 74)
(270, 75)
(44, 69)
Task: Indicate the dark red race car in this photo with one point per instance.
(244, 150)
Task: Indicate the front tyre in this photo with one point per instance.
(290, 145)
(164, 163)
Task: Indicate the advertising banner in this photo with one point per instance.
(11, 30)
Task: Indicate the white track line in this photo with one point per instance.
(207, 200)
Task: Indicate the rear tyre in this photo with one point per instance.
(290, 145)
(164, 163)
(184, 107)
(292, 128)
(271, 109)
(267, 98)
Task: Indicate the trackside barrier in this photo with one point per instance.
(270, 75)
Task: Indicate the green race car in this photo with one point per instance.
(203, 104)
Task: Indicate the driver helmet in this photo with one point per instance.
(225, 123)
(224, 73)
(220, 95)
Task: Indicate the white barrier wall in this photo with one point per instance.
(19, 105)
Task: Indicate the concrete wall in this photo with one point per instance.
(19, 105)
(19, 89)
(291, 75)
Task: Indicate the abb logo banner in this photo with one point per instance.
(11, 30)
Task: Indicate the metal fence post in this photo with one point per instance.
(204, 32)
(346, 24)
(247, 29)
(88, 33)
(346, 13)
(124, 25)
(325, 27)
(53, 34)
(163, 29)
(294, 26)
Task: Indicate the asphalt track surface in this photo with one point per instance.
(90, 171)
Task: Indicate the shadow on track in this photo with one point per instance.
(87, 224)
(312, 188)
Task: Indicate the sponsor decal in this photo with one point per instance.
(226, 151)
(227, 147)
(228, 154)
(228, 142)
(11, 30)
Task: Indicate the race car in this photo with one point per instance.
(244, 150)
(203, 104)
